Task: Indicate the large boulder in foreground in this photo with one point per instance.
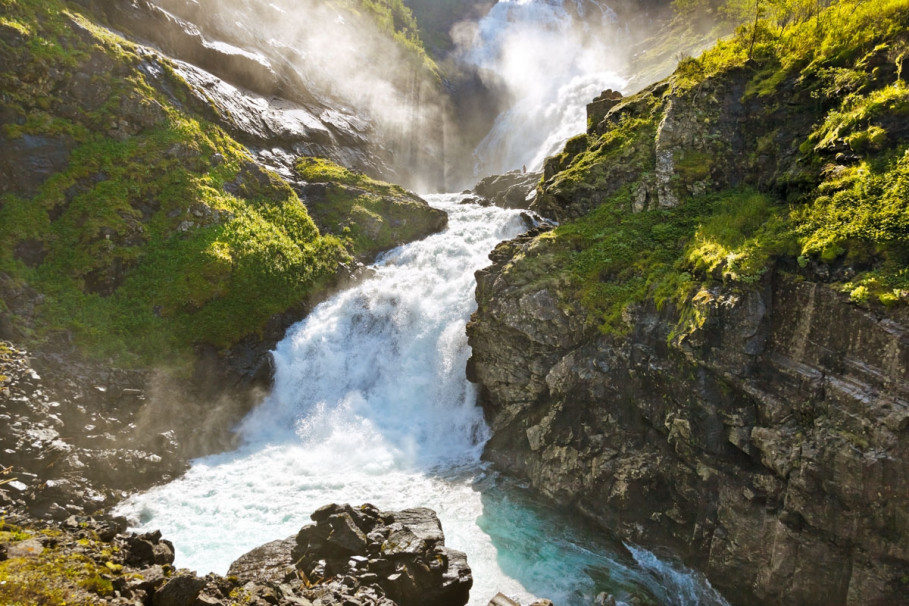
(354, 556)
(380, 557)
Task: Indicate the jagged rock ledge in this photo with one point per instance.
(358, 556)
(768, 445)
(514, 189)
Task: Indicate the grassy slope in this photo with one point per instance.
(843, 204)
(156, 231)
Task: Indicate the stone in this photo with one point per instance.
(605, 599)
(180, 590)
(345, 534)
(500, 599)
(510, 190)
(758, 443)
(404, 554)
(29, 548)
(403, 541)
(269, 563)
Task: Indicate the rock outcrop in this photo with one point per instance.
(769, 444)
(269, 90)
(753, 417)
(514, 189)
(94, 561)
(73, 437)
(129, 225)
(399, 554)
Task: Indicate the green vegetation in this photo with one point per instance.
(369, 216)
(436, 18)
(155, 231)
(52, 577)
(618, 257)
(836, 195)
(396, 20)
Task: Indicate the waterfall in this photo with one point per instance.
(552, 57)
(370, 404)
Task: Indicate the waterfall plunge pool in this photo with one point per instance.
(371, 405)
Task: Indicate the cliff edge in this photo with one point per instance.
(711, 350)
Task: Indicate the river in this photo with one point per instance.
(371, 405)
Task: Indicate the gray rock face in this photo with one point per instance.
(180, 590)
(515, 189)
(402, 555)
(770, 444)
(271, 95)
(269, 563)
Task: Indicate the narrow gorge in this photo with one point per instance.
(655, 352)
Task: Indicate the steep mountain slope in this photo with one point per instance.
(302, 78)
(711, 351)
(129, 221)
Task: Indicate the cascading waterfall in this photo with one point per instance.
(553, 57)
(370, 404)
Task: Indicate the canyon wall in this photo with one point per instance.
(684, 359)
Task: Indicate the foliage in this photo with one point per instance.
(618, 258)
(322, 170)
(842, 201)
(370, 216)
(396, 20)
(52, 577)
(159, 232)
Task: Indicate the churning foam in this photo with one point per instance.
(370, 405)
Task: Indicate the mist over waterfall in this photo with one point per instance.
(552, 57)
(329, 79)
(371, 404)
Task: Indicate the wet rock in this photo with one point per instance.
(756, 444)
(600, 106)
(514, 189)
(400, 553)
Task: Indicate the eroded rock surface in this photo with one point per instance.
(399, 554)
(769, 444)
(515, 189)
(354, 556)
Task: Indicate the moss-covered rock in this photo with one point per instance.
(709, 351)
(138, 227)
(369, 216)
(795, 155)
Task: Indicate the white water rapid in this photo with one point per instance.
(371, 404)
(552, 57)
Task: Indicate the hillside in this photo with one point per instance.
(711, 349)
(132, 223)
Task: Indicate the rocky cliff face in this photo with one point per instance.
(742, 408)
(136, 231)
(769, 444)
(285, 92)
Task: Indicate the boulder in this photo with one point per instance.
(269, 563)
(514, 189)
(180, 590)
(399, 554)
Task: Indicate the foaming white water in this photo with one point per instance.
(553, 57)
(370, 405)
